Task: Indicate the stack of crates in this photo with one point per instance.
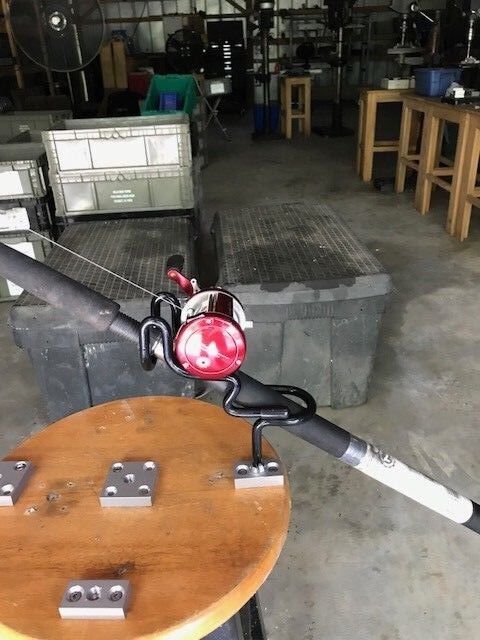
(23, 204)
(109, 167)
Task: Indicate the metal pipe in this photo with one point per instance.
(471, 22)
(266, 80)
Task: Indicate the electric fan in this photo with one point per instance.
(185, 51)
(59, 35)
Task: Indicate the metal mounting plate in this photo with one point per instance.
(13, 478)
(130, 484)
(270, 474)
(95, 600)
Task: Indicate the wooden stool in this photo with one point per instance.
(302, 85)
(469, 194)
(414, 108)
(431, 166)
(193, 559)
(367, 119)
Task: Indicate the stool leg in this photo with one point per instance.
(423, 191)
(301, 107)
(369, 138)
(360, 134)
(308, 108)
(288, 111)
(438, 151)
(467, 184)
(415, 131)
(459, 166)
(403, 148)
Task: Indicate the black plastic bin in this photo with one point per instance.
(315, 294)
(77, 367)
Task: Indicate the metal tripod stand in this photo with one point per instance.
(212, 109)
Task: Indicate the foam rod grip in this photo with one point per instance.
(57, 289)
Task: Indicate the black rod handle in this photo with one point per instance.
(57, 289)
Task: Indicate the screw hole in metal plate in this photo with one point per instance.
(117, 466)
(75, 593)
(7, 489)
(242, 470)
(144, 490)
(129, 478)
(116, 593)
(20, 465)
(111, 491)
(149, 465)
(272, 467)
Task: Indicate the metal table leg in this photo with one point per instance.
(247, 624)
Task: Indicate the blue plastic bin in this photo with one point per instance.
(258, 110)
(434, 82)
(183, 85)
(170, 101)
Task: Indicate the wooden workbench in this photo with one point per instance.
(432, 168)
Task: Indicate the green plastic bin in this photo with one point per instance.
(181, 84)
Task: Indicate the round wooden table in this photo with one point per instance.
(193, 559)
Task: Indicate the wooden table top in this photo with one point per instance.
(193, 559)
(437, 105)
(380, 93)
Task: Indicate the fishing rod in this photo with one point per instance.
(205, 339)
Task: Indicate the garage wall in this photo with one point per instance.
(377, 29)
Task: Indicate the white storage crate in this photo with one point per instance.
(21, 215)
(15, 219)
(32, 247)
(22, 171)
(134, 190)
(11, 124)
(120, 143)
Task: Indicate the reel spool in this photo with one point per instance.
(210, 342)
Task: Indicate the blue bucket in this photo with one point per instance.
(170, 101)
(258, 110)
(434, 82)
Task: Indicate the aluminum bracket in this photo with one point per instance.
(130, 484)
(95, 600)
(13, 478)
(271, 473)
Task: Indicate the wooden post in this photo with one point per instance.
(370, 118)
(427, 161)
(459, 167)
(403, 148)
(469, 177)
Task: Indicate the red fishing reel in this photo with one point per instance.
(210, 340)
(206, 340)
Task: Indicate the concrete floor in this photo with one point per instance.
(361, 562)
